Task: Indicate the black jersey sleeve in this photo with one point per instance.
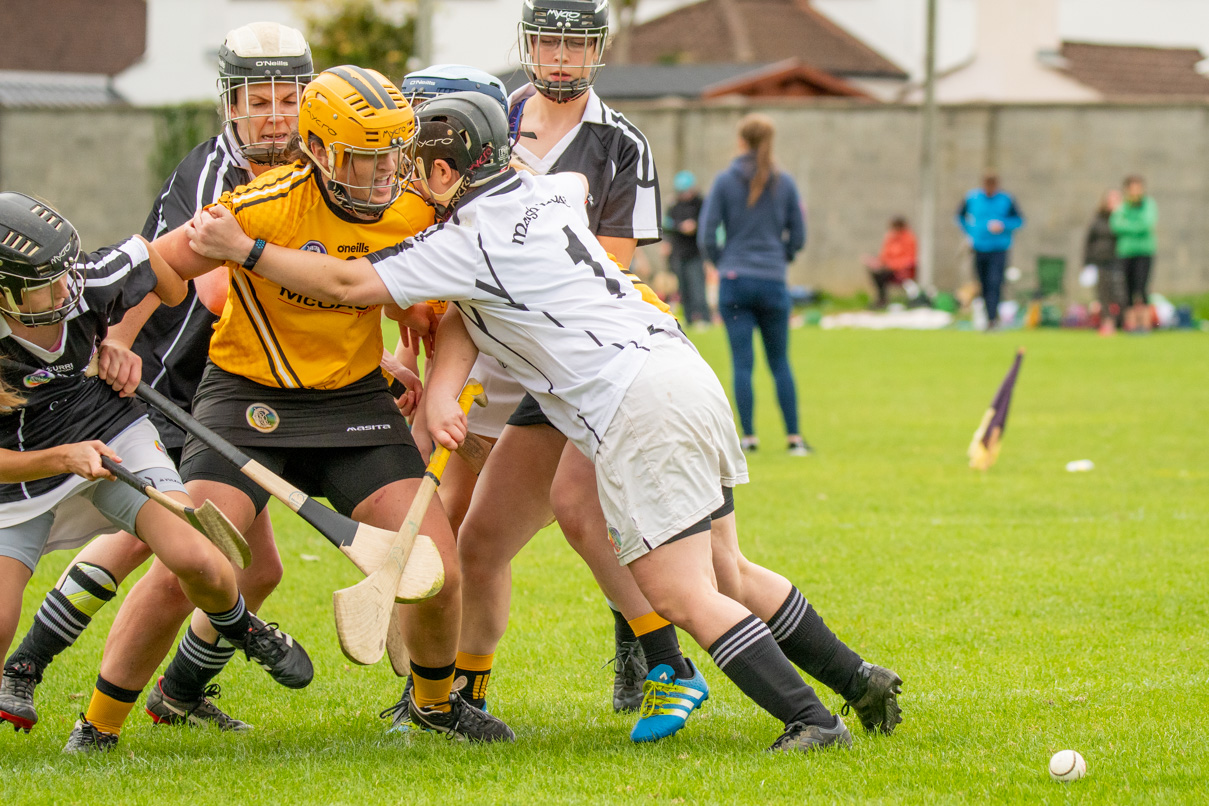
(116, 278)
(631, 205)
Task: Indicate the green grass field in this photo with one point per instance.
(1028, 609)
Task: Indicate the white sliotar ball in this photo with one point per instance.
(1067, 765)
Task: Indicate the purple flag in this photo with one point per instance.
(984, 448)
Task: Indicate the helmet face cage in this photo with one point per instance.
(262, 53)
(264, 151)
(14, 287)
(363, 122)
(354, 176)
(38, 247)
(563, 36)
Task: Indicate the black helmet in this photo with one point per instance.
(468, 130)
(37, 247)
(577, 29)
(261, 53)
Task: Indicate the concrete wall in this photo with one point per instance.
(92, 166)
(856, 165)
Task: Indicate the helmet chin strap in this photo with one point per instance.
(442, 202)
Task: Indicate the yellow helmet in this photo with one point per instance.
(367, 131)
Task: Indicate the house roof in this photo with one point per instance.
(19, 89)
(635, 82)
(715, 31)
(785, 78)
(1130, 71)
(78, 36)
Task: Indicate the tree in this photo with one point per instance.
(379, 35)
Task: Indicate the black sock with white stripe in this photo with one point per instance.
(195, 664)
(748, 655)
(234, 623)
(64, 614)
(807, 641)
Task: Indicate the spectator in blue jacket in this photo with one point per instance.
(751, 228)
(989, 217)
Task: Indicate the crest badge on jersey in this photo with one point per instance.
(159, 446)
(314, 246)
(615, 539)
(36, 379)
(263, 418)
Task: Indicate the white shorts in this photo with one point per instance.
(503, 396)
(668, 451)
(77, 510)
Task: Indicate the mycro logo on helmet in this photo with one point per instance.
(559, 14)
(444, 141)
(318, 124)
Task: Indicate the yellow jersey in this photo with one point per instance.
(276, 337)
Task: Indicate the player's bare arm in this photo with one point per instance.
(81, 458)
(173, 247)
(215, 234)
(447, 425)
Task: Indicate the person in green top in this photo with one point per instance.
(1133, 223)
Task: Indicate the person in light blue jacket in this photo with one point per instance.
(759, 213)
(990, 217)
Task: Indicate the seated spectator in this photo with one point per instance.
(895, 264)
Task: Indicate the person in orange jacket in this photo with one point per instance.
(895, 264)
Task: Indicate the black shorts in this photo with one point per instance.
(529, 413)
(245, 413)
(345, 476)
(344, 444)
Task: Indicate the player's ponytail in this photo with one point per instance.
(9, 399)
(756, 131)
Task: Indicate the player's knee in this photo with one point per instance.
(204, 566)
(261, 578)
(477, 566)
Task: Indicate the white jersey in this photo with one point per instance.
(539, 294)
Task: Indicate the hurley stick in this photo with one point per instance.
(366, 546)
(207, 519)
(363, 612)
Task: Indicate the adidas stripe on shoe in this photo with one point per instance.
(667, 702)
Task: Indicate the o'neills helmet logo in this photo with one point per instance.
(272, 64)
(263, 418)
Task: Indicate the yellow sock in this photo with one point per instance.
(431, 687)
(647, 624)
(476, 669)
(106, 713)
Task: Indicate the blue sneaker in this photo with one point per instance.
(667, 702)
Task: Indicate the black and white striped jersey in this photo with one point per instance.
(62, 404)
(623, 200)
(175, 341)
(539, 294)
